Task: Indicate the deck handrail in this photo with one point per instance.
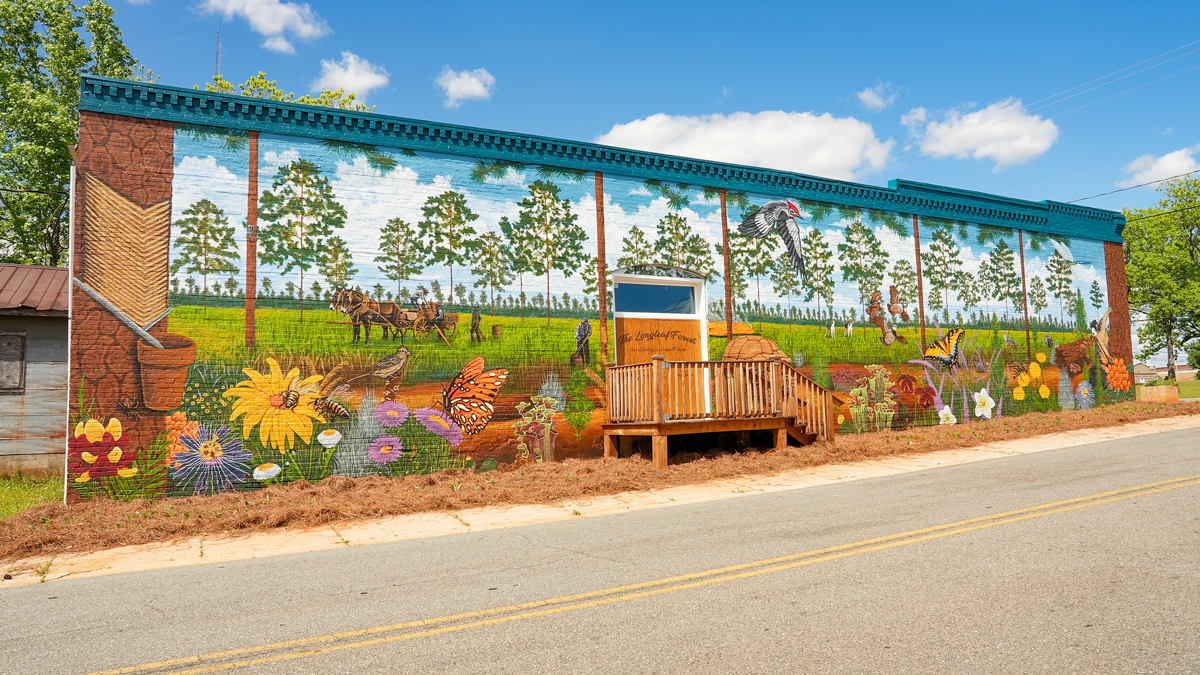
(663, 392)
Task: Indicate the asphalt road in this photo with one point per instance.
(1103, 580)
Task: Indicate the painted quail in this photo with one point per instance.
(390, 366)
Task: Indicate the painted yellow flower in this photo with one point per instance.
(279, 404)
(1035, 371)
(1019, 393)
(1044, 391)
(841, 419)
(1023, 379)
(1041, 357)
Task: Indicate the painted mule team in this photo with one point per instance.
(424, 318)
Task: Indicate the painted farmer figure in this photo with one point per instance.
(476, 334)
(583, 333)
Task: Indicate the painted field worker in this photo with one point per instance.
(476, 334)
(583, 350)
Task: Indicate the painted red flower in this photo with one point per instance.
(925, 396)
(97, 450)
(906, 384)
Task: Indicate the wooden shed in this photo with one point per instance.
(33, 368)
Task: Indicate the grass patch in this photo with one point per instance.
(1189, 389)
(18, 493)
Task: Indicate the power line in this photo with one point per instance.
(1164, 213)
(1113, 192)
(39, 192)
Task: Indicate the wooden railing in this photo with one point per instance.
(664, 391)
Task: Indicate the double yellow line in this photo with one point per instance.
(324, 644)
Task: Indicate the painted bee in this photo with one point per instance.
(328, 396)
(329, 405)
(295, 389)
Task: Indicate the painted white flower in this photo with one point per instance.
(946, 416)
(267, 471)
(983, 404)
(329, 437)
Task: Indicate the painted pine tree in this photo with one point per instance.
(819, 260)
(905, 278)
(557, 240)
(336, 264)
(1005, 282)
(206, 244)
(1059, 269)
(784, 279)
(1037, 295)
(400, 252)
(941, 265)
(967, 288)
(493, 265)
(864, 261)
(679, 246)
(635, 249)
(447, 232)
(1097, 296)
(589, 274)
(302, 212)
(519, 238)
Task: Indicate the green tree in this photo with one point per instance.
(232, 286)
(400, 251)
(677, 197)
(336, 263)
(905, 278)
(941, 267)
(521, 243)
(1003, 281)
(589, 273)
(818, 258)
(1037, 295)
(784, 279)
(1080, 312)
(302, 212)
(259, 86)
(45, 46)
(1097, 296)
(678, 245)
(1163, 279)
(206, 243)
(447, 232)
(752, 257)
(863, 260)
(1059, 269)
(967, 288)
(493, 265)
(557, 240)
(635, 249)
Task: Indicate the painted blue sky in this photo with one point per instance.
(1026, 99)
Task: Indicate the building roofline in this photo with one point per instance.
(189, 106)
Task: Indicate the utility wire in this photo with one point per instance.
(1113, 192)
(1164, 213)
(38, 192)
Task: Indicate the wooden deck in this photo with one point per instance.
(666, 398)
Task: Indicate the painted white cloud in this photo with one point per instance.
(1148, 168)
(465, 85)
(837, 147)
(1003, 132)
(352, 73)
(878, 97)
(274, 19)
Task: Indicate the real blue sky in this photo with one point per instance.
(947, 93)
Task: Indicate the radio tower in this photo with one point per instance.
(217, 64)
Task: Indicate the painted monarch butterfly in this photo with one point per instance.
(945, 350)
(470, 396)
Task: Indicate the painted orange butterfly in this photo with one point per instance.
(470, 396)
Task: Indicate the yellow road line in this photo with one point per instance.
(695, 580)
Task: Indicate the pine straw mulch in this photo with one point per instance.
(100, 524)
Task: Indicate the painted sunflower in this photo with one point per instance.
(279, 404)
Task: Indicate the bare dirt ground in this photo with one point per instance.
(52, 529)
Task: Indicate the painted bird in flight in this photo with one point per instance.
(780, 216)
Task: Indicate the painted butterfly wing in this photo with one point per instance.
(470, 397)
(945, 350)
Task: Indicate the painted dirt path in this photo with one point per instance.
(208, 550)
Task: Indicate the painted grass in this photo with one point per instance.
(18, 493)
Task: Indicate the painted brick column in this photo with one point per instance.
(1120, 340)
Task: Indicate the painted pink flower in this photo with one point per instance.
(385, 449)
(441, 424)
(391, 414)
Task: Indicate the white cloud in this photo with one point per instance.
(139, 2)
(352, 73)
(273, 19)
(837, 147)
(1149, 168)
(465, 85)
(878, 97)
(1003, 132)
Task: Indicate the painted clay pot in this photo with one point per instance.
(165, 371)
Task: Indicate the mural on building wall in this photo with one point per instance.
(415, 312)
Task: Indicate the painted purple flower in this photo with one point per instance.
(214, 460)
(391, 414)
(440, 423)
(385, 449)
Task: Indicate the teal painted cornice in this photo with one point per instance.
(188, 106)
